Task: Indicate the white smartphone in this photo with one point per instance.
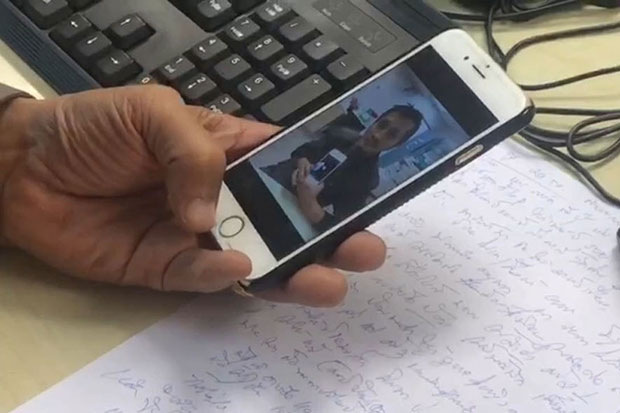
(325, 167)
(447, 92)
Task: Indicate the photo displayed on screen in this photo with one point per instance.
(361, 148)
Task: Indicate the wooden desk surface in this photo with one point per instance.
(51, 325)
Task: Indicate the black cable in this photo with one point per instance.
(572, 79)
(574, 112)
(549, 140)
(593, 135)
(588, 130)
(514, 13)
(565, 34)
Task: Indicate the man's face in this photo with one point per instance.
(386, 133)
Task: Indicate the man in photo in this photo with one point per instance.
(348, 187)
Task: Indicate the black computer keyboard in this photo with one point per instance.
(274, 60)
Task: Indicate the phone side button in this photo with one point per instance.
(231, 226)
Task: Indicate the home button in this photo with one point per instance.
(231, 226)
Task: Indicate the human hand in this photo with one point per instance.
(113, 185)
(305, 188)
(307, 194)
(303, 167)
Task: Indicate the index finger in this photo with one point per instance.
(361, 253)
(323, 286)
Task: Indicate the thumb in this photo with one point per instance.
(193, 165)
(235, 135)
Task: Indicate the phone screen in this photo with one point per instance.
(389, 131)
(326, 166)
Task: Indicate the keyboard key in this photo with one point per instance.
(92, 48)
(81, 4)
(346, 72)
(257, 90)
(297, 101)
(145, 80)
(47, 13)
(289, 70)
(266, 50)
(198, 89)
(321, 51)
(232, 70)
(211, 14)
(297, 32)
(225, 104)
(115, 69)
(71, 31)
(272, 14)
(176, 70)
(208, 52)
(129, 31)
(244, 5)
(240, 32)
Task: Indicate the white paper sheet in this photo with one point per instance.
(501, 294)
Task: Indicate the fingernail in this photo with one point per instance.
(200, 214)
